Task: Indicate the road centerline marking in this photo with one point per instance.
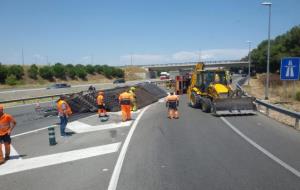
(263, 150)
(14, 166)
(117, 170)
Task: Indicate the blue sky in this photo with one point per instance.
(152, 31)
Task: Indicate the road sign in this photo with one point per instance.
(289, 69)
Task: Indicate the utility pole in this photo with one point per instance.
(249, 60)
(22, 57)
(269, 4)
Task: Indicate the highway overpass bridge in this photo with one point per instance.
(153, 68)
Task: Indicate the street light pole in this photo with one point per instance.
(249, 60)
(269, 4)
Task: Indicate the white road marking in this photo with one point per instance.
(117, 170)
(13, 153)
(33, 131)
(79, 127)
(161, 100)
(14, 166)
(267, 153)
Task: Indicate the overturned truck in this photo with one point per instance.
(82, 102)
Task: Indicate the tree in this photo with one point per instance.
(16, 70)
(80, 71)
(99, 69)
(71, 71)
(90, 69)
(59, 71)
(285, 45)
(46, 72)
(33, 71)
(3, 73)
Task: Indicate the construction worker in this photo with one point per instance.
(7, 123)
(133, 103)
(125, 100)
(64, 112)
(172, 102)
(101, 105)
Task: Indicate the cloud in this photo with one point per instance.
(184, 56)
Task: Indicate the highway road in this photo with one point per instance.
(36, 92)
(197, 151)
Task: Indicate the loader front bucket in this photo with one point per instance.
(234, 106)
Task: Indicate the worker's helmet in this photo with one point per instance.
(101, 93)
(132, 88)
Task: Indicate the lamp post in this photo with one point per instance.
(269, 4)
(249, 60)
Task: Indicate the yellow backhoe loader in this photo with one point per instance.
(210, 90)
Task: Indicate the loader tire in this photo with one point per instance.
(206, 105)
(194, 100)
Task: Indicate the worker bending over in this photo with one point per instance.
(7, 123)
(101, 105)
(172, 103)
(64, 112)
(133, 103)
(125, 100)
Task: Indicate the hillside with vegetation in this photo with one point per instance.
(39, 75)
(285, 45)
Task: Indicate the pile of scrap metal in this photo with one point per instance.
(147, 93)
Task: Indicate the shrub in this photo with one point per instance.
(59, 71)
(3, 73)
(298, 96)
(46, 73)
(33, 71)
(11, 80)
(16, 70)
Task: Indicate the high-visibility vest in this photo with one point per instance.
(100, 100)
(125, 98)
(132, 94)
(60, 109)
(5, 121)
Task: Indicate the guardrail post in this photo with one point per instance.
(51, 133)
(297, 124)
(267, 111)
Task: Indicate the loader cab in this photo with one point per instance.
(208, 77)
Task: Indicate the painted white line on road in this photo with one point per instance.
(79, 127)
(117, 170)
(13, 153)
(28, 132)
(267, 153)
(13, 166)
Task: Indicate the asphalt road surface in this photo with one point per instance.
(197, 151)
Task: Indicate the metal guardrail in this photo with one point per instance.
(33, 98)
(273, 107)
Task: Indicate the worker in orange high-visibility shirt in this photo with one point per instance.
(64, 112)
(101, 105)
(7, 123)
(172, 103)
(125, 100)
